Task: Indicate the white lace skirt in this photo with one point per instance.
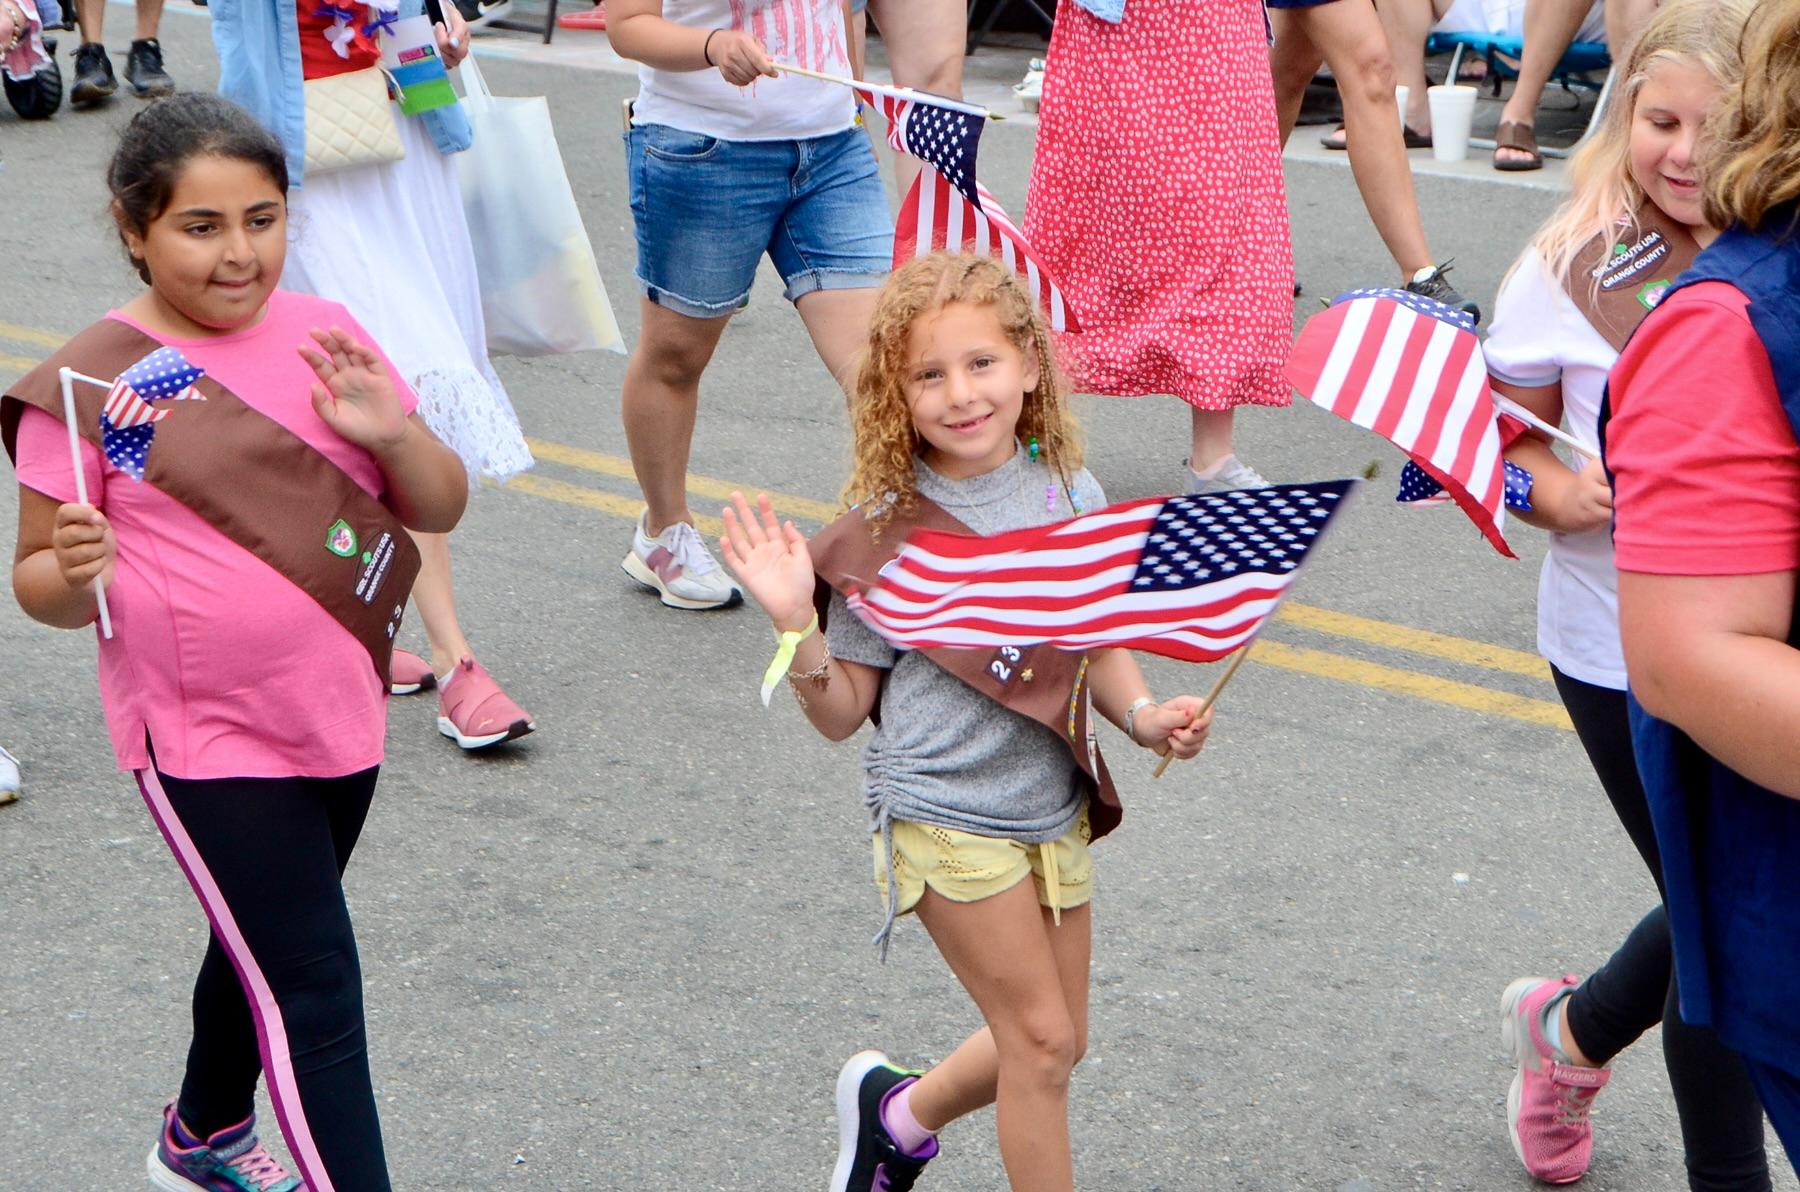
(390, 243)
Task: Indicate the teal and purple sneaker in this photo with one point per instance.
(232, 1160)
(869, 1160)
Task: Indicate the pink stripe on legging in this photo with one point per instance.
(271, 1033)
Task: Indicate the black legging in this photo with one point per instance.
(265, 857)
(1721, 1116)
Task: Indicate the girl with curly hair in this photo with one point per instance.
(981, 770)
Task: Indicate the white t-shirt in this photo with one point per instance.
(1506, 18)
(1539, 337)
(806, 33)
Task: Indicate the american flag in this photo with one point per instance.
(1418, 488)
(1411, 370)
(936, 217)
(944, 138)
(1190, 577)
(127, 420)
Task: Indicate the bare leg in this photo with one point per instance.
(1550, 27)
(1406, 24)
(659, 402)
(838, 321)
(1212, 437)
(436, 603)
(1625, 19)
(1293, 61)
(149, 15)
(924, 40)
(90, 18)
(1019, 969)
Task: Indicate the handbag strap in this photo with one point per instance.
(475, 88)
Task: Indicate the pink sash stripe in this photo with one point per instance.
(271, 1033)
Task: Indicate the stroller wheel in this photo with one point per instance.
(38, 97)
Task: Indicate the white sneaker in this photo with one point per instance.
(1031, 88)
(10, 782)
(1232, 473)
(678, 567)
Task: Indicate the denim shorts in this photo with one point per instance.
(707, 209)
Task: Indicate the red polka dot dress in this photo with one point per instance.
(1157, 202)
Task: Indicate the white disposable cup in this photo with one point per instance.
(1452, 117)
(1400, 94)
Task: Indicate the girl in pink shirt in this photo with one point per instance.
(237, 681)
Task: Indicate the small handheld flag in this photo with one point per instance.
(128, 420)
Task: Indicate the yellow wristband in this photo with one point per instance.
(784, 656)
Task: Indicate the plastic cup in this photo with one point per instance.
(1400, 94)
(1452, 117)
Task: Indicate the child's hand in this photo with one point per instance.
(771, 560)
(357, 398)
(1589, 503)
(741, 58)
(1176, 727)
(84, 545)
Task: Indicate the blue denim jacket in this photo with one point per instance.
(258, 42)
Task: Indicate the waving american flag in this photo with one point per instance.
(1411, 370)
(1189, 577)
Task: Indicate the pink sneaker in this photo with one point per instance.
(1548, 1103)
(474, 712)
(408, 673)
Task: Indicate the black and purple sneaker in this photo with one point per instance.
(231, 1160)
(869, 1160)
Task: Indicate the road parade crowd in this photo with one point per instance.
(240, 479)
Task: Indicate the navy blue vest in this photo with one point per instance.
(1731, 848)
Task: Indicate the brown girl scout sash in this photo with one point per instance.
(1619, 276)
(1040, 682)
(253, 480)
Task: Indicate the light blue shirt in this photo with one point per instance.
(258, 42)
(1107, 10)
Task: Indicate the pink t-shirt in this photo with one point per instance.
(231, 669)
(1705, 468)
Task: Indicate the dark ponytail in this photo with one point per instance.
(164, 137)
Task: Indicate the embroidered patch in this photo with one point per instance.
(1006, 664)
(1629, 262)
(1651, 292)
(374, 573)
(340, 539)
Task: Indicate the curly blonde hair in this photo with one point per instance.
(886, 441)
(1756, 147)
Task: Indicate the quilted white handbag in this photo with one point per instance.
(350, 122)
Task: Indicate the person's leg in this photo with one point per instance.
(838, 322)
(1349, 34)
(1293, 61)
(924, 41)
(1002, 951)
(280, 918)
(1779, 1089)
(1625, 19)
(1550, 27)
(1211, 437)
(659, 404)
(1406, 24)
(1716, 1102)
(435, 598)
(90, 20)
(149, 17)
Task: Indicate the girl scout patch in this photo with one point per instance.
(340, 539)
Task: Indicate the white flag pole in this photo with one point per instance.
(942, 101)
(68, 377)
(1513, 409)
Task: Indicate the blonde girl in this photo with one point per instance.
(972, 786)
(1632, 222)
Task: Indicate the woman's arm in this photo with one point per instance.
(639, 31)
(1709, 654)
(1571, 502)
(61, 549)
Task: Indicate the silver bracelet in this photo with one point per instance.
(1142, 701)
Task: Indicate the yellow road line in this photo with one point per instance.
(31, 335)
(705, 486)
(1405, 682)
(23, 364)
(593, 498)
(1415, 641)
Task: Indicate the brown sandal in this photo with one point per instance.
(1338, 139)
(1521, 137)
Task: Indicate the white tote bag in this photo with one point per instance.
(541, 292)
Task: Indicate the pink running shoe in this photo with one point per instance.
(475, 713)
(409, 673)
(1548, 1103)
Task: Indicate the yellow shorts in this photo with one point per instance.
(964, 867)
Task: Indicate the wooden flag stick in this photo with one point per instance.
(1237, 661)
(68, 377)
(942, 101)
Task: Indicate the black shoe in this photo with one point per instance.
(38, 97)
(868, 1157)
(94, 79)
(481, 12)
(1430, 282)
(144, 70)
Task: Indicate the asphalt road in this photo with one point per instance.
(632, 950)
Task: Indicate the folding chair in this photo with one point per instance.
(1502, 54)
